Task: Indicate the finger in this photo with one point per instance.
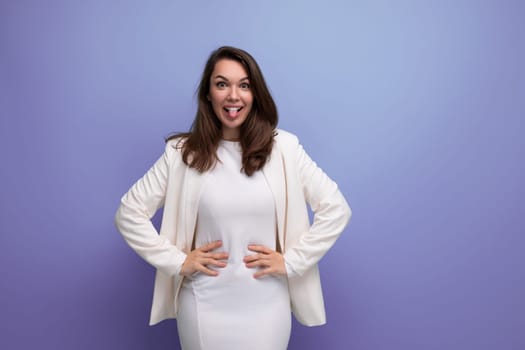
(219, 256)
(249, 258)
(262, 273)
(260, 249)
(258, 263)
(210, 246)
(213, 262)
(207, 271)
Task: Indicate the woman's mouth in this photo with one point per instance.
(233, 112)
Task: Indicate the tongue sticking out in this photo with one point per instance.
(232, 113)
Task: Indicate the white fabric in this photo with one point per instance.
(295, 181)
(238, 210)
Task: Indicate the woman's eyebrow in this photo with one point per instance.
(224, 78)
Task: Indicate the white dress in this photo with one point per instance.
(234, 310)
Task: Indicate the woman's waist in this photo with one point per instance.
(234, 275)
(236, 241)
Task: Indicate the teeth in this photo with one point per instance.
(233, 109)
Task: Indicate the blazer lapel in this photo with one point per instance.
(273, 171)
(192, 192)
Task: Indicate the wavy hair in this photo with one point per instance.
(199, 145)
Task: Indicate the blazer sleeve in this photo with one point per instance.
(137, 207)
(331, 215)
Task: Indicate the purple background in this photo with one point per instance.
(416, 109)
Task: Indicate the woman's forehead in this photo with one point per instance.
(229, 69)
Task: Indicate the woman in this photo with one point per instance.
(236, 251)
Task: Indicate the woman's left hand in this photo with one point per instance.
(271, 262)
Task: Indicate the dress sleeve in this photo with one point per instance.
(133, 218)
(331, 215)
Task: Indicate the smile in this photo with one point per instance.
(233, 112)
(232, 109)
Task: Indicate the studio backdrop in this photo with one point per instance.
(415, 108)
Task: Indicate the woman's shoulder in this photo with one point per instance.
(173, 149)
(175, 143)
(285, 138)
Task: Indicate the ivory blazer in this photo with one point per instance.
(295, 181)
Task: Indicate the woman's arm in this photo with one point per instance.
(137, 207)
(331, 215)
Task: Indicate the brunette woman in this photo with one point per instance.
(236, 253)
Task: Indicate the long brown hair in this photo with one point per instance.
(199, 146)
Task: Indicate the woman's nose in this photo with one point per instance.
(233, 95)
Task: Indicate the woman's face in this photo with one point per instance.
(230, 96)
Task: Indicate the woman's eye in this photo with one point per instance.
(220, 84)
(245, 86)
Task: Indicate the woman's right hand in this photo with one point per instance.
(199, 259)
